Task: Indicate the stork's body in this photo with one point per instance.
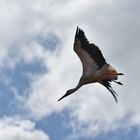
(95, 67)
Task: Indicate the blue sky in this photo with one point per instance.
(38, 65)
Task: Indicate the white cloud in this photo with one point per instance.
(112, 25)
(115, 37)
(15, 129)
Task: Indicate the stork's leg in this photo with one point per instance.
(117, 74)
(120, 74)
(116, 79)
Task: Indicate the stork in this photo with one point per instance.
(95, 67)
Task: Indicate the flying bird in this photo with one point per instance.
(95, 67)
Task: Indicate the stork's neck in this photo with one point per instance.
(71, 90)
(76, 88)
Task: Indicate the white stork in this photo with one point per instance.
(95, 67)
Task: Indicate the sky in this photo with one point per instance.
(38, 65)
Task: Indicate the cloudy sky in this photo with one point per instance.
(38, 65)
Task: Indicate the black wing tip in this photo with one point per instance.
(77, 28)
(79, 31)
(81, 36)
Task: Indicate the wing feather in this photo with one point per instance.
(89, 65)
(91, 49)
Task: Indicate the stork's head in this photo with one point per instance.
(70, 91)
(67, 94)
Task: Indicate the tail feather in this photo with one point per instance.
(107, 84)
(113, 93)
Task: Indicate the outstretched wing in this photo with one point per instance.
(89, 54)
